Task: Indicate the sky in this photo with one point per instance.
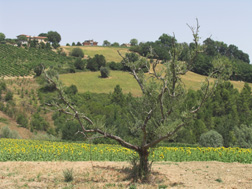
(229, 21)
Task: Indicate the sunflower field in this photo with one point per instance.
(36, 150)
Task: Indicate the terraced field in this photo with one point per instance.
(15, 61)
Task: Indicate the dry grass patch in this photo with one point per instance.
(114, 175)
(110, 53)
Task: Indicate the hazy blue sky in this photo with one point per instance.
(119, 21)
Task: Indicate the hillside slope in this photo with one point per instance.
(16, 61)
(90, 81)
(110, 53)
(13, 126)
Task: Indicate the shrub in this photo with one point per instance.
(104, 72)
(115, 66)
(79, 64)
(38, 70)
(211, 139)
(69, 131)
(8, 96)
(7, 133)
(44, 136)
(243, 135)
(2, 85)
(71, 90)
(94, 64)
(38, 122)
(68, 175)
(22, 120)
(77, 52)
(55, 45)
(78, 44)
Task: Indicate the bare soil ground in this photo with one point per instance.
(115, 175)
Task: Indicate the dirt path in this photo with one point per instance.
(20, 77)
(113, 175)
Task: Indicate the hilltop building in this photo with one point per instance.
(126, 45)
(89, 43)
(39, 39)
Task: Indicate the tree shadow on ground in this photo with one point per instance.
(155, 177)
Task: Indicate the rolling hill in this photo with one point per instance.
(91, 81)
(16, 61)
(110, 53)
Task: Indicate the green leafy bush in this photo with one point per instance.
(104, 72)
(79, 64)
(211, 139)
(8, 96)
(7, 133)
(39, 122)
(71, 90)
(68, 175)
(2, 85)
(77, 52)
(243, 136)
(94, 64)
(22, 120)
(38, 70)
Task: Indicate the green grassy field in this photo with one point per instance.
(110, 53)
(90, 81)
(193, 81)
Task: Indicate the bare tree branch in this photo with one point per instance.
(168, 135)
(148, 117)
(79, 116)
(195, 32)
(133, 72)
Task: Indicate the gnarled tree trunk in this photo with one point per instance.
(144, 166)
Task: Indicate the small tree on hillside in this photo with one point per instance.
(95, 63)
(104, 72)
(157, 115)
(2, 37)
(115, 44)
(38, 70)
(133, 42)
(79, 64)
(43, 34)
(77, 52)
(106, 43)
(54, 37)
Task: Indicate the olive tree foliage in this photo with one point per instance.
(106, 43)
(211, 139)
(77, 52)
(133, 42)
(54, 37)
(2, 37)
(161, 110)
